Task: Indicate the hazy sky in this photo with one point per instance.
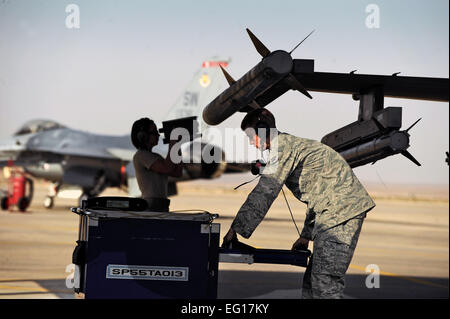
(133, 58)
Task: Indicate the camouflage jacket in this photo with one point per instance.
(317, 175)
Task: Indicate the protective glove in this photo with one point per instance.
(229, 239)
(300, 244)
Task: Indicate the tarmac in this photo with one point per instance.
(402, 253)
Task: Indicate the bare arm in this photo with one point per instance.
(167, 166)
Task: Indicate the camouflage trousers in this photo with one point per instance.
(333, 252)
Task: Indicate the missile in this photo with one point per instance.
(395, 142)
(274, 67)
(368, 141)
(379, 148)
(49, 171)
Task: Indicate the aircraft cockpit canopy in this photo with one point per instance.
(35, 126)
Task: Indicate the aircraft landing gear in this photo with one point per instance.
(99, 187)
(48, 202)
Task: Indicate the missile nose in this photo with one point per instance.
(400, 141)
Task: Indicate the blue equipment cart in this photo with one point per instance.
(141, 254)
(124, 251)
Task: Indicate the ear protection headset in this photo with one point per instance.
(142, 135)
(262, 127)
(143, 132)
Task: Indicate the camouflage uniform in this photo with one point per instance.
(318, 176)
(333, 251)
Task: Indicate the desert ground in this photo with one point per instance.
(405, 238)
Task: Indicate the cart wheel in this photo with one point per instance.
(22, 204)
(48, 202)
(4, 203)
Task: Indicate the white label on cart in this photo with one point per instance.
(206, 228)
(93, 222)
(147, 272)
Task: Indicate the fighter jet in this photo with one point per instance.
(91, 162)
(374, 136)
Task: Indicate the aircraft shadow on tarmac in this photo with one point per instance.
(235, 284)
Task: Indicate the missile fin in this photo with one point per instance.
(229, 78)
(296, 85)
(260, 47)
(408, 155)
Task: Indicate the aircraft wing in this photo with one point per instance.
(124, 154)
(405, 87)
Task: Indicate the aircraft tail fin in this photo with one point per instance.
(206, 84)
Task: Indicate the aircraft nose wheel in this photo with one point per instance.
(48, 202)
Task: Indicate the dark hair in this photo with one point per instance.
(253, 118)
(139, 132)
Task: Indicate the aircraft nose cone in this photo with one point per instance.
(11, 146)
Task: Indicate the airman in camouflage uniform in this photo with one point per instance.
(336, 201)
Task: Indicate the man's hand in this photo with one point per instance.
(229, 238)
(300, 244)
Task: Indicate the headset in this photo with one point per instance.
(140, 131)
(142, 135)
(263, 128)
